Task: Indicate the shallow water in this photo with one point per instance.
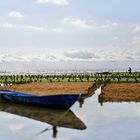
(112, 121)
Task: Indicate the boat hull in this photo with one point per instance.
(53, 101)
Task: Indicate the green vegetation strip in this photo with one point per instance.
(120, 77)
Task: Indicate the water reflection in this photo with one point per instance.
(100, 100)
(103, 99)
(84, 97)
(91, 92)
(111, 121)
(55, 117)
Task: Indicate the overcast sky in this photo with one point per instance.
(81, 33)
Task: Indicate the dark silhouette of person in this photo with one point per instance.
(130, 70)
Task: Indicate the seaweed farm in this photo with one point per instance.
(115, 77)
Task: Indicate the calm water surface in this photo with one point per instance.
(112, 121)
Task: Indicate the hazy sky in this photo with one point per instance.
(76, 32)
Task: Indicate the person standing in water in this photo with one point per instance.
(130, 70)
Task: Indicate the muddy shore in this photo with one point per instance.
(46, 88)
(120, 92)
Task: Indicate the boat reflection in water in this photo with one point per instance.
(91, 92)
(55, 117)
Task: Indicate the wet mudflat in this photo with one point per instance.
(92, 121)
(120, 92)
(46, 88)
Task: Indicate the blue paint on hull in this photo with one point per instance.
(55, 101)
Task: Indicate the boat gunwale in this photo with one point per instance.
(15, 93)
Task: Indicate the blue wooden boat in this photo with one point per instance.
(54, 101)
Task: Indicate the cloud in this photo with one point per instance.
(103, 55)
(76, 22)
(15, 14)
(89, 24)
(80, 23)
(75, 55)
(58, 30)
(7, 25)
(129, 54)
(28, 58)
(115, 38)
(33, 28)
(10, 57)
(55, 2)
(85, 55)
(136, 40)
(66, 19)
(27, 27)
(69, 59)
